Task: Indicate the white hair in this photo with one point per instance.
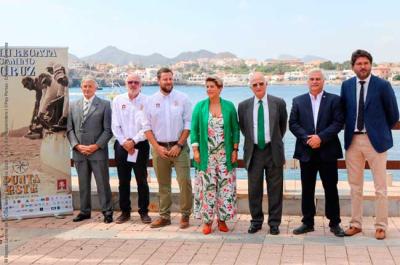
(90, 79)
(251, 77)
(317, 70)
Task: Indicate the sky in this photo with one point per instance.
(249, 29)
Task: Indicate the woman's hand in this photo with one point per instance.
(234, 156)
(196, 156)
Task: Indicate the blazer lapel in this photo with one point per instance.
(272, 115)
(321, 110)
(250, 109)
(79, 111)
(370, 91)
(353, 92)
(309, 111)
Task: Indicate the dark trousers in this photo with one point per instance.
(99, 168)
(124, 169)
(329, 176)
(261, 163)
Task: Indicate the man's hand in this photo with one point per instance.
(314, 141)
(129, 146)
(162, 151)
(81, 148)
(84, 149)
(92, 148)
(174, 151)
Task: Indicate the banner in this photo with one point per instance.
(35, 154)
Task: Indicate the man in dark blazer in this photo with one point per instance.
(316, 119)
(263, 121)
(371, 112)
(88, 131)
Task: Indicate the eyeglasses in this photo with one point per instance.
(133, 82)
(257, 84)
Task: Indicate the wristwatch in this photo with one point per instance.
(236, 149)
(180, 145)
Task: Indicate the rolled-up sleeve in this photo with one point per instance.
(147, 118)
(187, 114)
(116, 123)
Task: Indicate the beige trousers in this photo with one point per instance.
(359, 151)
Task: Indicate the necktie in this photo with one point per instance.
(360, 117)
(85, 110)
(260, 126)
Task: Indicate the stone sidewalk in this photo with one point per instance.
(60, 241)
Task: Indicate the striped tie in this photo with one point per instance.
(85, 110)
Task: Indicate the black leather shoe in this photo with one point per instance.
(124, 217)
(145, 218)
(254, 228)
(274, 230)
(303, 229)
(81, 217)
(337, 231)
(108, 219)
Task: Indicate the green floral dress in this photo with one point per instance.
(215, 188)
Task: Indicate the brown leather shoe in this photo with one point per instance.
(160, 222)
(184, 223)
(352, 230)
(124, 217)
(380, 234)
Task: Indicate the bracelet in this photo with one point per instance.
(236, 149)
(180, 145)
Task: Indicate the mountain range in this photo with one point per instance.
(113, 55)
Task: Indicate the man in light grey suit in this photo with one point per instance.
(263, 122)
(88, 131)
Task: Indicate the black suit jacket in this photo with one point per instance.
(329, 123)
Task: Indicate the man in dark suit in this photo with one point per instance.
(263, 121)
(88, 131)
(371, 111)
(316, 119)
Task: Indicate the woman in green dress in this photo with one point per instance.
(215, 139)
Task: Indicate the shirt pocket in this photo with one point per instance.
(176, 111)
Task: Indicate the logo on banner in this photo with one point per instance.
(61, 185)
(20, 166)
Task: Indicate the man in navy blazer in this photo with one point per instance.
(316, 119)
(371, 112)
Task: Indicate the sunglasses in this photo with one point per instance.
(133, 82)
(257, 84)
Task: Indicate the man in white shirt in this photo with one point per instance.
(131, 148)
(168, 117)
(316, 119)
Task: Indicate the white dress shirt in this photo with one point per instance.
(266, 119)
(168, 115)
(128, 118)
(315, 103)
(358, 85)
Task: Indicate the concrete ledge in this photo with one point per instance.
(291, 203)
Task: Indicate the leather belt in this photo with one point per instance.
(360, 132)
(168, 145)
(267, 145)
